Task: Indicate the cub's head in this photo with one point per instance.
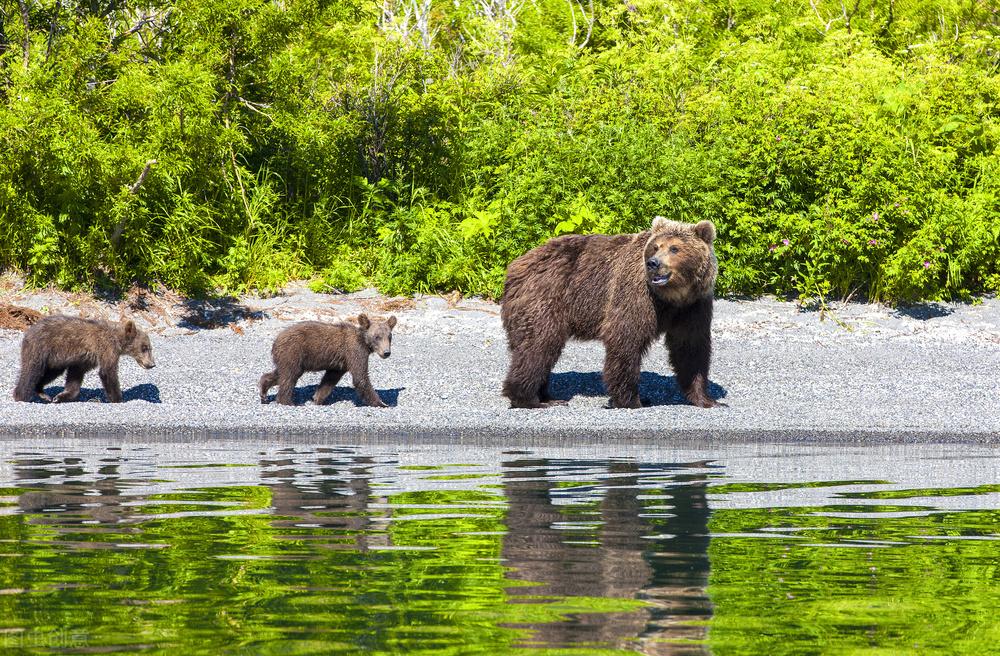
(377, 334)
(679, 260)
(136, 343)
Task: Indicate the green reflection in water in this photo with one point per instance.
(853, 579)
(247, 570)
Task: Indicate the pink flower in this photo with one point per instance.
(874, 216)
(778, 138)
(785, 242)
(773, 248)
(846, 242)
(873, 242)
(927, 265)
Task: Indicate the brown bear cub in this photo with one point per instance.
(60, 344)
(624, 290)
(335, 348)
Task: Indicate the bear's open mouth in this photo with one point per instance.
(661, 279)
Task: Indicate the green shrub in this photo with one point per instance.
(845, 155)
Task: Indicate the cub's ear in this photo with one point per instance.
(364, 321)
(705, 231)
(659, 223)
(130, 330)
(392, 322)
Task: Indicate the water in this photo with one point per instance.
(255, 548)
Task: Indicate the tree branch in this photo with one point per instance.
(143, 22)
(132, 189)
(26, 46)
(142, 177)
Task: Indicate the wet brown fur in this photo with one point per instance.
(336, 349)
(603, 287)
(60, 344)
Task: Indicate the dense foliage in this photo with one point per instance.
(422, 144)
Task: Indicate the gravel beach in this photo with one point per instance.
(866, 373)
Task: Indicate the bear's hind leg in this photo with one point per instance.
(49, 376)
(32, 378)
(621, 378)
(74, 378)
(528, 377)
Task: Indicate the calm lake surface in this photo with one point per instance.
(257, 547)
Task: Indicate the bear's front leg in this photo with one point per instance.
(363, 386)
(267, 381)
(286, 386)
(690, 344)
(329, 381)
(109, 378)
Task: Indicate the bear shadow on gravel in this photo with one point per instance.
(145, 392)
(304, 394)
(218, 312)
(654, 389)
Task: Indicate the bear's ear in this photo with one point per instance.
(130, 329)
(392, 322)
(659, 223)
(705, 231)
(364, 321)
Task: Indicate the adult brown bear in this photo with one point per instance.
(625, 290)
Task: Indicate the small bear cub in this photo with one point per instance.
(336, 349)
(59, 343)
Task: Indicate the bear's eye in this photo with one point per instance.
(675, 250)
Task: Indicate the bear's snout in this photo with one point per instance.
(385, 354)
(653, 263)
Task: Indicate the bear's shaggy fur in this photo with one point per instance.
(335, 348)
(60, 344)
(624, 290)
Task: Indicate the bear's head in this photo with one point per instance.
(136, 343)
(377, 334)
(680, 261)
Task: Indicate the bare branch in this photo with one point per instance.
(573, 4)
(132, 189)
(143, 22)
(849, 15)
(408, 19)
(26, 45)
(256, 107)
(495, 34)
(590, 23)
(826, 23)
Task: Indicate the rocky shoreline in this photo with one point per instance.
(852, 372)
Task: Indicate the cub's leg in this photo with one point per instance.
(286, 386)
(363, 386)
(326, 385)
(267, 381)
(109, 378)
(74, 378)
